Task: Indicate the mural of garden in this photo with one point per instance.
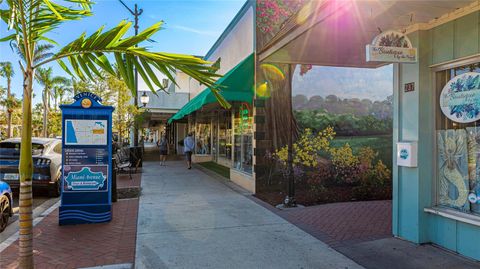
(343, 146)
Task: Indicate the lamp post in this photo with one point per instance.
(144, 99)
(136, 12)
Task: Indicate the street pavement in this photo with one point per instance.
(40, 204)
(188, 219)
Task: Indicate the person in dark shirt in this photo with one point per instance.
(162, 143)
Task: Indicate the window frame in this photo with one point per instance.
(435, 70)
(242, 146)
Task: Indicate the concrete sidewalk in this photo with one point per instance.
(188, 219)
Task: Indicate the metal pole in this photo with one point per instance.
(136, 12)
(290, 199)
(135, 130)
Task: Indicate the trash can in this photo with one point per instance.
(136, 153)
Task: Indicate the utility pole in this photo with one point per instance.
(136, 12)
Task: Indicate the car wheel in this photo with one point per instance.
(55, 189)
(4, 212)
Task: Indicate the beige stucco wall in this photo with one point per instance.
(236, 46)
(201, 158)
(245, 181)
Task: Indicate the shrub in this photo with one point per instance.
(375, 183)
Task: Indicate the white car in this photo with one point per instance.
(47, 163)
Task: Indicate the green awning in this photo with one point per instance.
(236, 86)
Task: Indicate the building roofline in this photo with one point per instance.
(231, 25)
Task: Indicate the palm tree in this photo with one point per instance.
(45, 78)
(59, 92)
(6, 71)
(29, 22)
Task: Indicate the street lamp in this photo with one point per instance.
(136, 12)
(144, 99)
(165, 83)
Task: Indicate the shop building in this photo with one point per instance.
(435, 200)
(226, 136)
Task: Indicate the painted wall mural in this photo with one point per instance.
(453, 169)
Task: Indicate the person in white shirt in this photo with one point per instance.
(188, 148)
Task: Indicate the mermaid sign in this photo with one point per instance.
(460, 98)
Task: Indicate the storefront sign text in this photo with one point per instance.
(460, 98)
(391, 47)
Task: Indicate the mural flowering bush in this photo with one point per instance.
(307, 147)
(272, 14)
(321, 168)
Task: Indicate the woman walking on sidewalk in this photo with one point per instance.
(188, 147)
(163, 145)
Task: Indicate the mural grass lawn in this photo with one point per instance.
(379, 143)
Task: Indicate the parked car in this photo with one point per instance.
(47, 163)
(6, 201)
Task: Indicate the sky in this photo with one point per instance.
(373, 84)
(191, 27)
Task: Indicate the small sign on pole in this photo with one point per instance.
(86, 161)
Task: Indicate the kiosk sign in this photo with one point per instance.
(87, 161)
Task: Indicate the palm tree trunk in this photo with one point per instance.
(26, 171)
(9, 114)
(45, 113)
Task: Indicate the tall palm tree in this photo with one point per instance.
(6, 71)
(59, 91)
(44, 77)
(30, 21)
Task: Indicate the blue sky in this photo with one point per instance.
(191, 27)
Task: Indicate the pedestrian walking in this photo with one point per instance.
(188, 147)
(162, 143)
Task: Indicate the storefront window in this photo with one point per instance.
(203, 134)
(243, 148)
(225, 135)
(458, 138)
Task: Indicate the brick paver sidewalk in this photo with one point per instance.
(343, 223)
(84, 245)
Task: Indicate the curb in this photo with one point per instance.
(39, 214)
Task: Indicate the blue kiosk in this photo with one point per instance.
(86, 161)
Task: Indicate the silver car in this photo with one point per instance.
(47, 163)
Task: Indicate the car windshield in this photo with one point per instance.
(13, 149)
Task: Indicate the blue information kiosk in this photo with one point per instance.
(87, 161)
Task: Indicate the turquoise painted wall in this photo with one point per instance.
(413, 188)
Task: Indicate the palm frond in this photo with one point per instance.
(87, 55)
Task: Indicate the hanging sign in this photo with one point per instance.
(460, 98)
(391, 47)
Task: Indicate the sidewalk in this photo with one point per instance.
(87, 245)
(188, 219)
